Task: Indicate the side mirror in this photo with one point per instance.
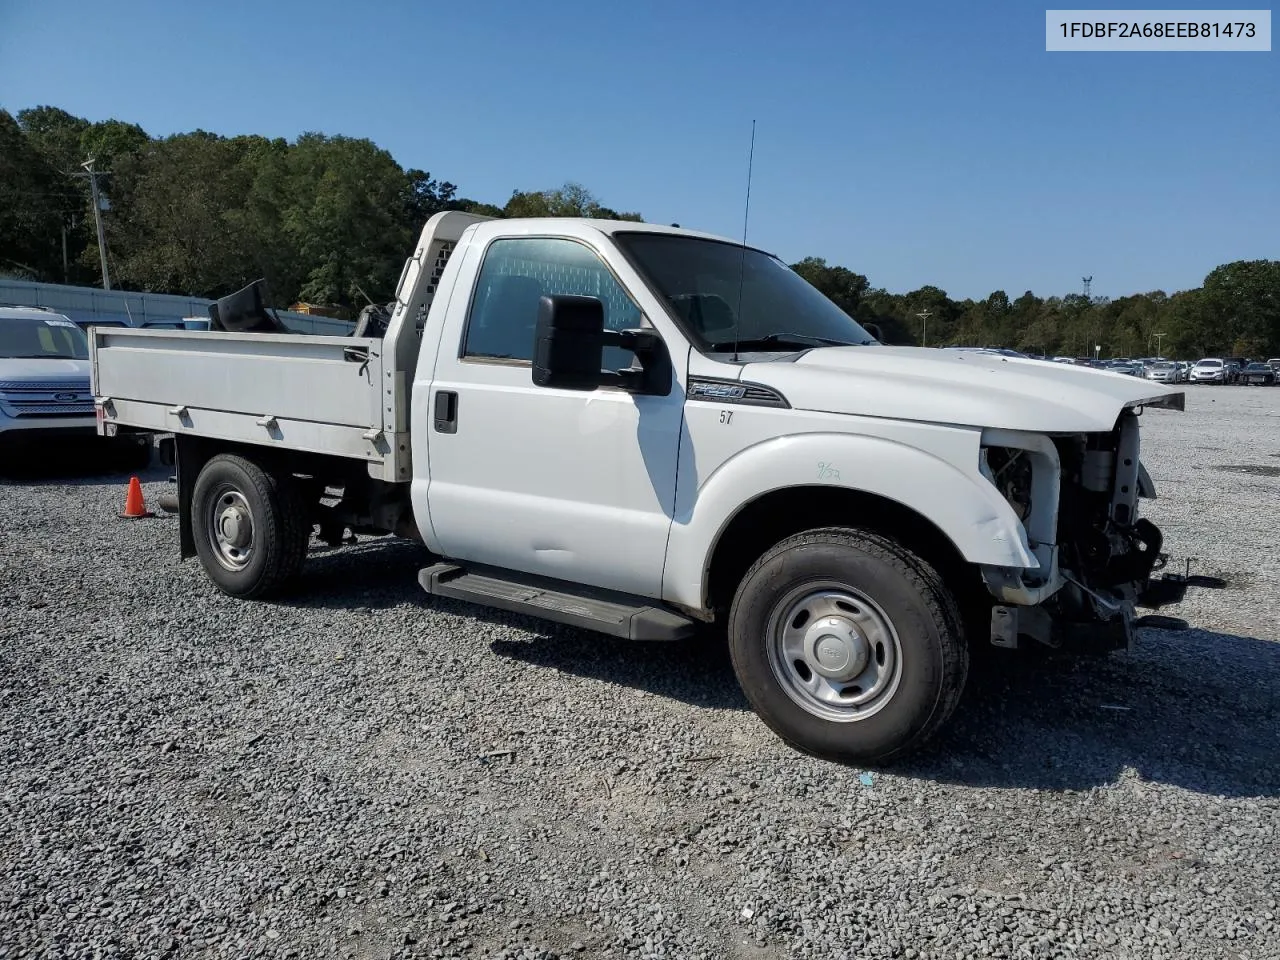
(874, 330)
(568, 349)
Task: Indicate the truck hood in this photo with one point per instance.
(959, 387)
(69, 371)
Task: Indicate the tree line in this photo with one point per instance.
(328, 220)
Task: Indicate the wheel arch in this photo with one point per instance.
(775, 515)
(191, 453)
(879, 484)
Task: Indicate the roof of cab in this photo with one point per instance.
(611, 227)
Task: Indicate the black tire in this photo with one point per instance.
(280, 531)
(932, 657)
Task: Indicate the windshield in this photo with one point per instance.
(1209, 363)
(37, 338)
(1162, 366)
(699, 280)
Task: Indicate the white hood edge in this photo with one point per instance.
(959, 387)
(52, 368)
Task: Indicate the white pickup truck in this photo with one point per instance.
(643, 431)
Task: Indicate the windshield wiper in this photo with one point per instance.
(794, 339)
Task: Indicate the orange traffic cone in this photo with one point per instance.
(134, 506)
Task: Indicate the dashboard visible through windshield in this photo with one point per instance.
(724, 295)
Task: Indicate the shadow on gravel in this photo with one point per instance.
(691, 671)
(1196, 710)
(377, 573)
(382, 573)
(74, 465)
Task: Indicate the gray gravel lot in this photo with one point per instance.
(360, 772)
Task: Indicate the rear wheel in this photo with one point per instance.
(249, 526)
(847, 645)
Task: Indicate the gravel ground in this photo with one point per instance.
(359, 772)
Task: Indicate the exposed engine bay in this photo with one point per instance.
(1077, 497)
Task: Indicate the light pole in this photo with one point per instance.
(924, 327)
(1159, 344)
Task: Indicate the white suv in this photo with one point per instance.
(1209, 371)
(44, 382)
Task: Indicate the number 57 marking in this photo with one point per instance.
(726, 416)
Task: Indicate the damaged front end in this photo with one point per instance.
(1077, 498)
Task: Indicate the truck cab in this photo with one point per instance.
(656, 433)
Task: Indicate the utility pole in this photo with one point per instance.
(924, 327)
(1088, 287)
(97, 217)
(1159, 344)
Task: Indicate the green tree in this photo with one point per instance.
(1241, 304)
(840, 285)
(570, 200)
(174, 223)
(31, 206)
(56, 136)
(425, 197)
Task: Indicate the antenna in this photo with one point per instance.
(742, 263)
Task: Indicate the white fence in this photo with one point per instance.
(90, 303)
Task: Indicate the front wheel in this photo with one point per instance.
(249, 526)
(847, 645)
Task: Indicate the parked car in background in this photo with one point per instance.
(1259, 374)
(44, 388)
(1164, 371)
(1233, 370)
(1130, 368)
(998, 351)
(1274, 364)
(86, 324)
(1184, 371)
(1209, 370)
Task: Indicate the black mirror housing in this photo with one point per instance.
(568, 349)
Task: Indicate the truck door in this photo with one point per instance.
(577, 485)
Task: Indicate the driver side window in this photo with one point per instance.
(518, 271)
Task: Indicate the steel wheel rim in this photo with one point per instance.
(835, 652)
(229, 527)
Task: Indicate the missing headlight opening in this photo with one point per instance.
(1011, 473)
(1076, 497)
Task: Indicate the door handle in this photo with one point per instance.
(446, 411)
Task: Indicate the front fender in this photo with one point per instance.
(964, 506)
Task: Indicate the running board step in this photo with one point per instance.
(616, 615)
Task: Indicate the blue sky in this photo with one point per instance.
(913, 142)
